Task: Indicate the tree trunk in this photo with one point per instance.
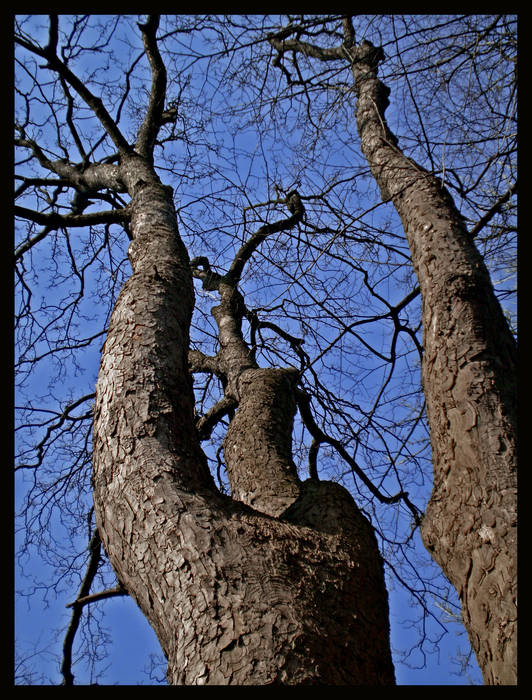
(235, 595)
(258, 443)
(469, 380)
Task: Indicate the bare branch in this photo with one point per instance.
(295, 206)
(95, 103)
(303, 402)
(214, 415)
(92, 568)
(54, 221)
(488, 216)
(323, 54)
(64, 416)
(117, 590)
(154, 114)
(198, 362)
(91, 176)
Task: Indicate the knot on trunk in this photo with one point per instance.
(368, 53)
(328, 507)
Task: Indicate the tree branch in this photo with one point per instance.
(295, 343)
(92, 568)
(214, 415)
(488, 216)
(199, 363)
(95, 103)
(53, 221)
(64, 416)
(92, 176)
(303, 403)
(117, 590)
(154, 114)
(281, 45)
(295, 206)
(201, 269)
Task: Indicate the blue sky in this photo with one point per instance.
(41, 625)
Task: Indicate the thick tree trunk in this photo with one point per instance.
(235, 595)
(469, 379)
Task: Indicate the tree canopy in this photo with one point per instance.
(333, 295)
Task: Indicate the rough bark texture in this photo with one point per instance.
(235, 595)
(469, 379)
(258, 444)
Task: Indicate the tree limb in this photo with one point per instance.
(53, 221)
(221, 408)
(117, 590)
(64, 416)
(198, 363)
(92, 176)
(92, 568)
(303, 403)
(295, 206)
(154, 114)
(95, 103)
(281, 45)
(488, 216)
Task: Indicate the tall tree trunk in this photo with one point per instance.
(235, 595)
(469, 375)
(469, 380)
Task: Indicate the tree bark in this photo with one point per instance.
(469, 380)
(235, 595)
(258, 443)
(468, 373)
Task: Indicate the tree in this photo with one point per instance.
(282, 581)
(469, 373)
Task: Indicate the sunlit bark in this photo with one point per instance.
(235, 596)
(469, 375)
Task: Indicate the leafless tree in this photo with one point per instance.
(224, 420)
